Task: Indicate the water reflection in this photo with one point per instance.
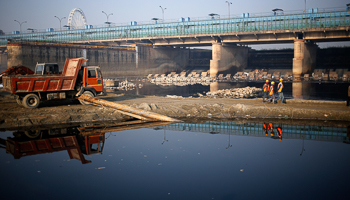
(76, 140)
(211, 160)
(314, 90)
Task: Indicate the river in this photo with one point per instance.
(212, 160)
(335, 91)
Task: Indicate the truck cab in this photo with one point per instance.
(93, 78)
(46, 68)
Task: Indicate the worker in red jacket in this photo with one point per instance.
(272, 93)
(266, 89)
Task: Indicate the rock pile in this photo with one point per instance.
(235, 93)
(126, 85)
(181, 81)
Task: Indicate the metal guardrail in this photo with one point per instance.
(299, 21)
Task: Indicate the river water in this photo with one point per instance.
(335, 91)
(212, 160)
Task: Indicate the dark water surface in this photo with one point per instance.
(336, 91)
(184, 161)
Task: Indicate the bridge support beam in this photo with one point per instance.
(304, 60)
(228, 59)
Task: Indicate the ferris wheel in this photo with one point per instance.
(76, 19)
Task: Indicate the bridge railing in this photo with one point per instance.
(301, 21)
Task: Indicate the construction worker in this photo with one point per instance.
(279, 91)
(266, 89)
(271, 92)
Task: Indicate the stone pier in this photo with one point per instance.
(304, 60)
(228, 59)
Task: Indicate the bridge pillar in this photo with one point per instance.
(228, 59)
(304, 60)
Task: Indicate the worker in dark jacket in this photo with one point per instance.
(266, 89)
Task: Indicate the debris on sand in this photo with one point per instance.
(236, 93)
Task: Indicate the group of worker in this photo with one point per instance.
(269, 90)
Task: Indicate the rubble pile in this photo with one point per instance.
(235, 93)
(126, 85)
(181, 81)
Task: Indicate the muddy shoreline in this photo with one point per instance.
(203, 109)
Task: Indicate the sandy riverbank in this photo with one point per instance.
(186, 109)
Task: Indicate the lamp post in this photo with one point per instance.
(162, 12)
(60, 21)
(107, 22)
(228, 4)
(20, 25)
(305, 7)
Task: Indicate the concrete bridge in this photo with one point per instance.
(227, 37)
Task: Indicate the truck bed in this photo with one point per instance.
(45, 83)
(38, 83)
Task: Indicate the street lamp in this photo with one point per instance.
(162, 12)
(60, 21)
(228, 4)
(107, 22)
(305, 7)
(20, 25)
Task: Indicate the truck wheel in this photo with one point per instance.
(87, 93)
(32, 134)
(19, 101)
(31, 101)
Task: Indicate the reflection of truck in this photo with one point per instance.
(47, 83)
(49, 142)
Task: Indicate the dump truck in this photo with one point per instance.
(48, 83)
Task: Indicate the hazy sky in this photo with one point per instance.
(39, 14)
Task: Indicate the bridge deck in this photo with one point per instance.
(198, 30)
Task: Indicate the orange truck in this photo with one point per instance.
(48, 83)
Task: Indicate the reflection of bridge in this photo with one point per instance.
(222, 34)
(320, 133)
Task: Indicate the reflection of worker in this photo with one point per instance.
(279, 133)
(265, 128)
(279, 91)
(266, 89)
(268, 127)
(271, 93)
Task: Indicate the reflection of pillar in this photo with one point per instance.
(297, 90)
(301, 90)
(228, 59)
(304, 60)
(214, 86)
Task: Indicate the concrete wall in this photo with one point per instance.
(228, 59)
(29, 55)
(3, 60)
(162, 59)
(114, 63)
